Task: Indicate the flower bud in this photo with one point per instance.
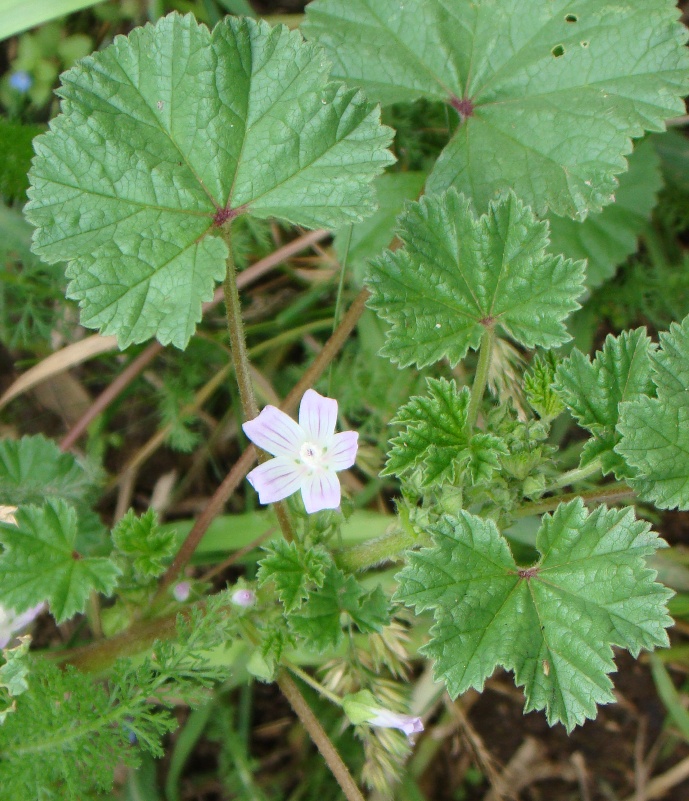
(181, 591)
(243, 598)
(362, 707)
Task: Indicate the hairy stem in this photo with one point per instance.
(319, 737)
(619, 491)
(479, 386)
(578, 474)
(240, 357)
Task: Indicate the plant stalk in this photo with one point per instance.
(480, 379)
(240, 357)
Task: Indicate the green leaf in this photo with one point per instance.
(34, 469)
(370, 237)
(172, 131)
(549, 93)
(318, 622)
(606, 239)
(143, 543)
(434, 440)
(459, 273)
(553, 624)
(655, 431)
(14, 672)
(593, 391)
(295, 571)
(40, 562)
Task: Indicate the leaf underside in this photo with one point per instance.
(554, 625)
(173, 130)
(549, 93)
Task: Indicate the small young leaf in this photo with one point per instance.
(318, 622)
(40, 562)
(174, 130)
(434, 440)
(553, 624)
(607, 238)
(548, 100)
(538, 386)
(295, 571)
(459, 273)
(655, 431)
(594, 390)
(143, 543)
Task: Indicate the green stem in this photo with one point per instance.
(367, 554)
(619, 491)
(240, 357)
(319, 737)
(481, 377)
(317, 686)
(578, 474)
(242, 368)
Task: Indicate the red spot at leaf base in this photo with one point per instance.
(464, 106)
(527, 572)
(221, 216)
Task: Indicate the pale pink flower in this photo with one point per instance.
(395, 720)
(362, 707)
(307, 454)
(11, 622)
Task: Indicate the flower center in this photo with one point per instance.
(312, 455)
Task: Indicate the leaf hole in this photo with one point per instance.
(558, 51)
(571, 18)
(584, 44)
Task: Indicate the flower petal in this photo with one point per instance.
(275, 432)
(317, 416)
(409, 724)
(342, 450)
(321, 490)
(276, 479)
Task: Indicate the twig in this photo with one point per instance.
(319, 737)
(658, 787)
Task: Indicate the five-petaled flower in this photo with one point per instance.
(307, 454)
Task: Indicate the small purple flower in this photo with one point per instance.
(394, 720)
(181, 591)
(307, 454)
(243, 598)
(11, 622)
(21, 81)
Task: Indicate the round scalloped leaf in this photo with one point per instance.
(171, 132)
(554, 623)
(549, 93)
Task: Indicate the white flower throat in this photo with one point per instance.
(311, 454)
